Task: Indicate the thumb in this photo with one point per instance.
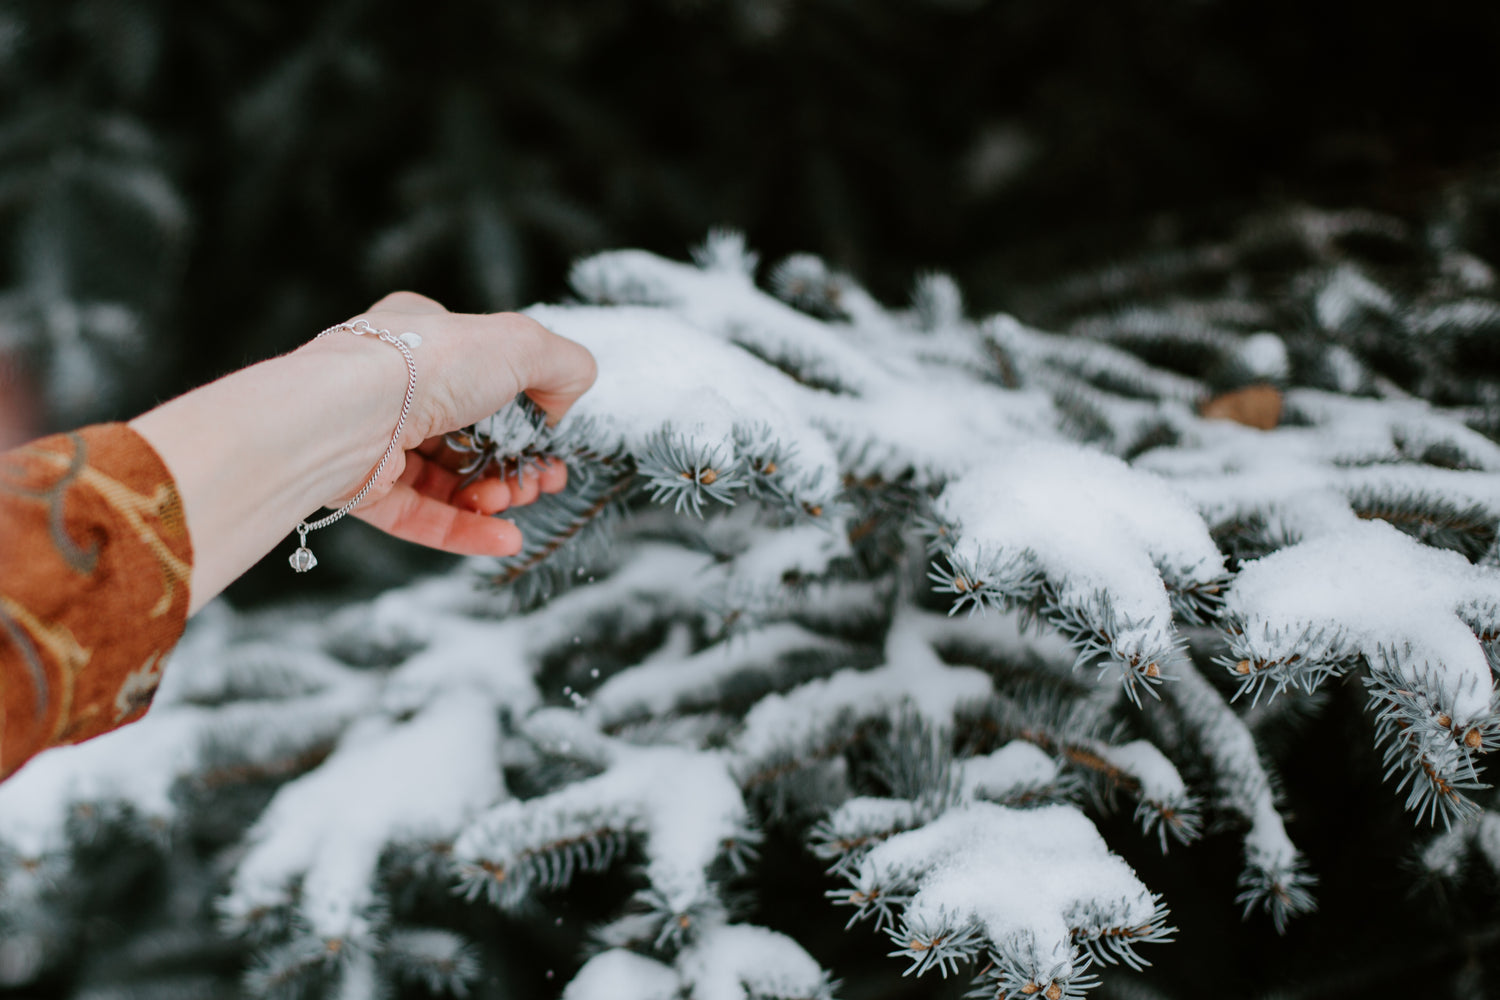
(554, 371)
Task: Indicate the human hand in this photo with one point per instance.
(468, 367)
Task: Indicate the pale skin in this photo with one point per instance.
(263, 448)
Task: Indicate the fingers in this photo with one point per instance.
(525, 485)
(427, 506)
(524, 488)
(488, 496)
(428, 477)
(439, 451)
(554, 371)
(553, 475)
(409, 515)
(492, 495)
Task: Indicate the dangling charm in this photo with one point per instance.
(302, 560)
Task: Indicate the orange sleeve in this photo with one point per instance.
(95, 563)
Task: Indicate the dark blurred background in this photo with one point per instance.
(187, 185)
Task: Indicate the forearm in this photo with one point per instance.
(263, 448)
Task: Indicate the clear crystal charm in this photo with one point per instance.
(303, 560)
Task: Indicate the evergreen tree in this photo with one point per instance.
(925, 602)
(187, 186)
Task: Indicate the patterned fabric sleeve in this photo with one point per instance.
(94, 572)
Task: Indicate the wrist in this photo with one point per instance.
(363, 384)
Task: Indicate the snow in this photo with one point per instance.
(328, 828)
(1345, 294)
(1036, 351)
(898, 387)
(700, 388)
(500, 656)
(725, 250)
(1471, 272)
(759, 562)
(1302, 477)
(1092, 524)
(806, 549)
(1209, 324)
(1264, 355)
(487, 656)
(1240, 779)
(1141, 759)
(684, 821)
(359, 979)
(736, 961)
(1015, 872)
(912, 675)
(1013, 768)
(618, 974)
(669, 684)
(867, 816)
(565, 732)
(1465, 314)
(937, 302)
(139, 764)
(1460, 488)
(911, 426)
(1389, 597)
(1444, 854)
(1002, 635)
(1355, 428)
(1487, 838)
(1267, 845)
(1348, 374)
(727, 306)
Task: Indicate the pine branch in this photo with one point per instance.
(544, 867)
(1434, 520)
(1163, 804)
(931, 889)
(1274, 878)
(573, 514)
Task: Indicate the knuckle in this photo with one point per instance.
(409, 302)
(521, 325)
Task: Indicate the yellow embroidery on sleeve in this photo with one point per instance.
(70, 655)
(162, 504)
(136, 690)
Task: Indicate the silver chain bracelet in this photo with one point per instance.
(303, 560)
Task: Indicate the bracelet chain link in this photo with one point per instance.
(303, 560)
